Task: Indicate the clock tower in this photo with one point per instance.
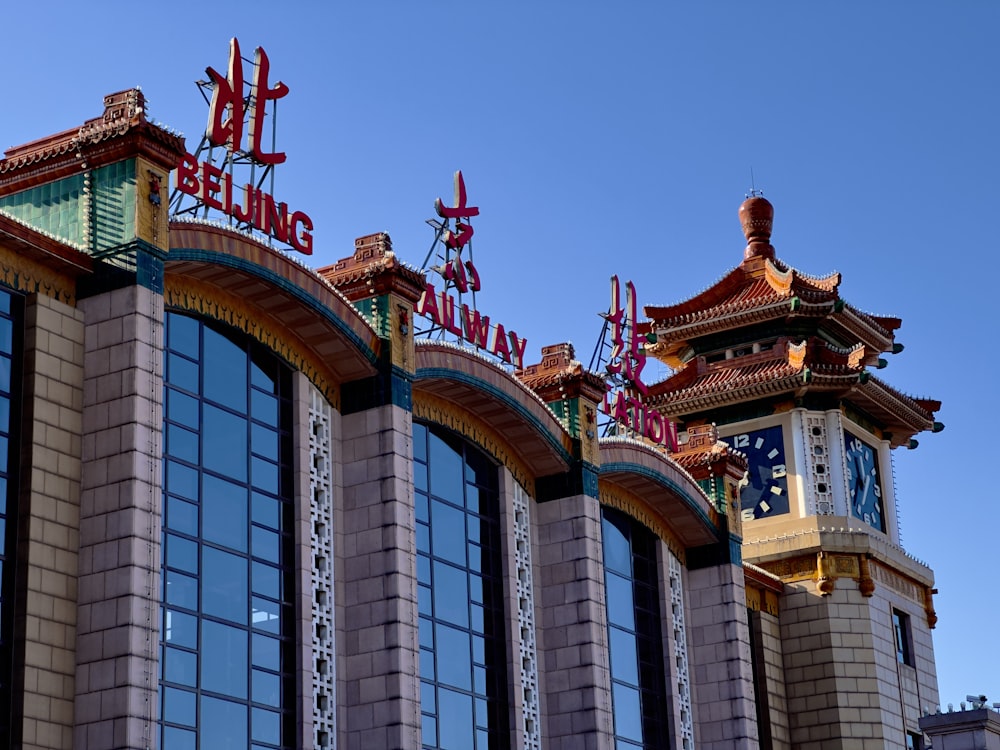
(784, 368)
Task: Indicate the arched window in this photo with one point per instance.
(228, 649)
(463, 665)
(635, 639)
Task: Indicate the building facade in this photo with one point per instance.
(242, 506)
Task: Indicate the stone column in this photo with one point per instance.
(725, 714)
(120, 519)
(49, 522)
(376, 557)
(574, 634)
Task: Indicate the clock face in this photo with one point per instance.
(864, 484)
(767, 493)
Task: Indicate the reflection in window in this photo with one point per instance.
(227, 641)
(901, 630)
(11, 321)
(638, 684)
(462, 634)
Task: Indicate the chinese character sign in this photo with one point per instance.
(460, 238)
(627, 358)
(228, 109)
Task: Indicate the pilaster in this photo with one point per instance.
(574, 644)
(120, 520)
(49, 523)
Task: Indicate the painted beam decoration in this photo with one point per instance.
(628, 358)
(214, 186)
(452, 316)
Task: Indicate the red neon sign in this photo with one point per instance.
(216, 187)
(440, 307)
(628, 358)
(225, 128)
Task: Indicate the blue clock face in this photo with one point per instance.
(767, 493)
(864, 483)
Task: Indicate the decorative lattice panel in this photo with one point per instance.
(683, 692)
(526, 620)
(818, 482)
(321, 516)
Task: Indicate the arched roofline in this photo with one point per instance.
(669, 491)
(456, 377)
(224, 274)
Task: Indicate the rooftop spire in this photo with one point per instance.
(756, 218)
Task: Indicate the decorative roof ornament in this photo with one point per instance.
(757, 218)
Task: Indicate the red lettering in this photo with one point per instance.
(499, 347)
(654, 426)
(225, 113)
(477, 328)
(187, 175)
(620, 407)
(427, 305)
(244, 212)
(517, 347)
(455, 273)
(448, 315)
(475, 285)
(276, 218)
(210, 175)
(259, 96)
(301, 240)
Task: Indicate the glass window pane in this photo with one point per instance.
(266, 688)
(182, 554)
(266, 726)
(223, 724)
(223, 659)
(182, 444)
(182, 590)
(266, 580)
(181, 739)
(621, 608)
(448, 532)
(181, 629)
(624, 666)
(180, 666)
(182, 409)
(628, 717)
(617, 552)
(451, 594)
(266, 510)
(225, 589)
(455, 720)
(455, 658)
(264, 475)
(182, 516)
(178, 706)
(264, 441)
(264, 408)
(225, 443)
(225, 371)
(266, 615)
(182, 334)
(266, 652)
(224, 509)
(182, 373)
(182, 480)
(446, 471)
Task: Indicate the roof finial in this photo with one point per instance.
(756, 218)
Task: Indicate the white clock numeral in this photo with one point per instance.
(764, 506)
(741, 441)
(778, 471)
(772, 453)
(877, 490)
(776, 490)
(747, 514)
(758, 443)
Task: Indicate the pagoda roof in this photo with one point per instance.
(793, 369)
(763, 289)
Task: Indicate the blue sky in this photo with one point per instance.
(603, 138)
